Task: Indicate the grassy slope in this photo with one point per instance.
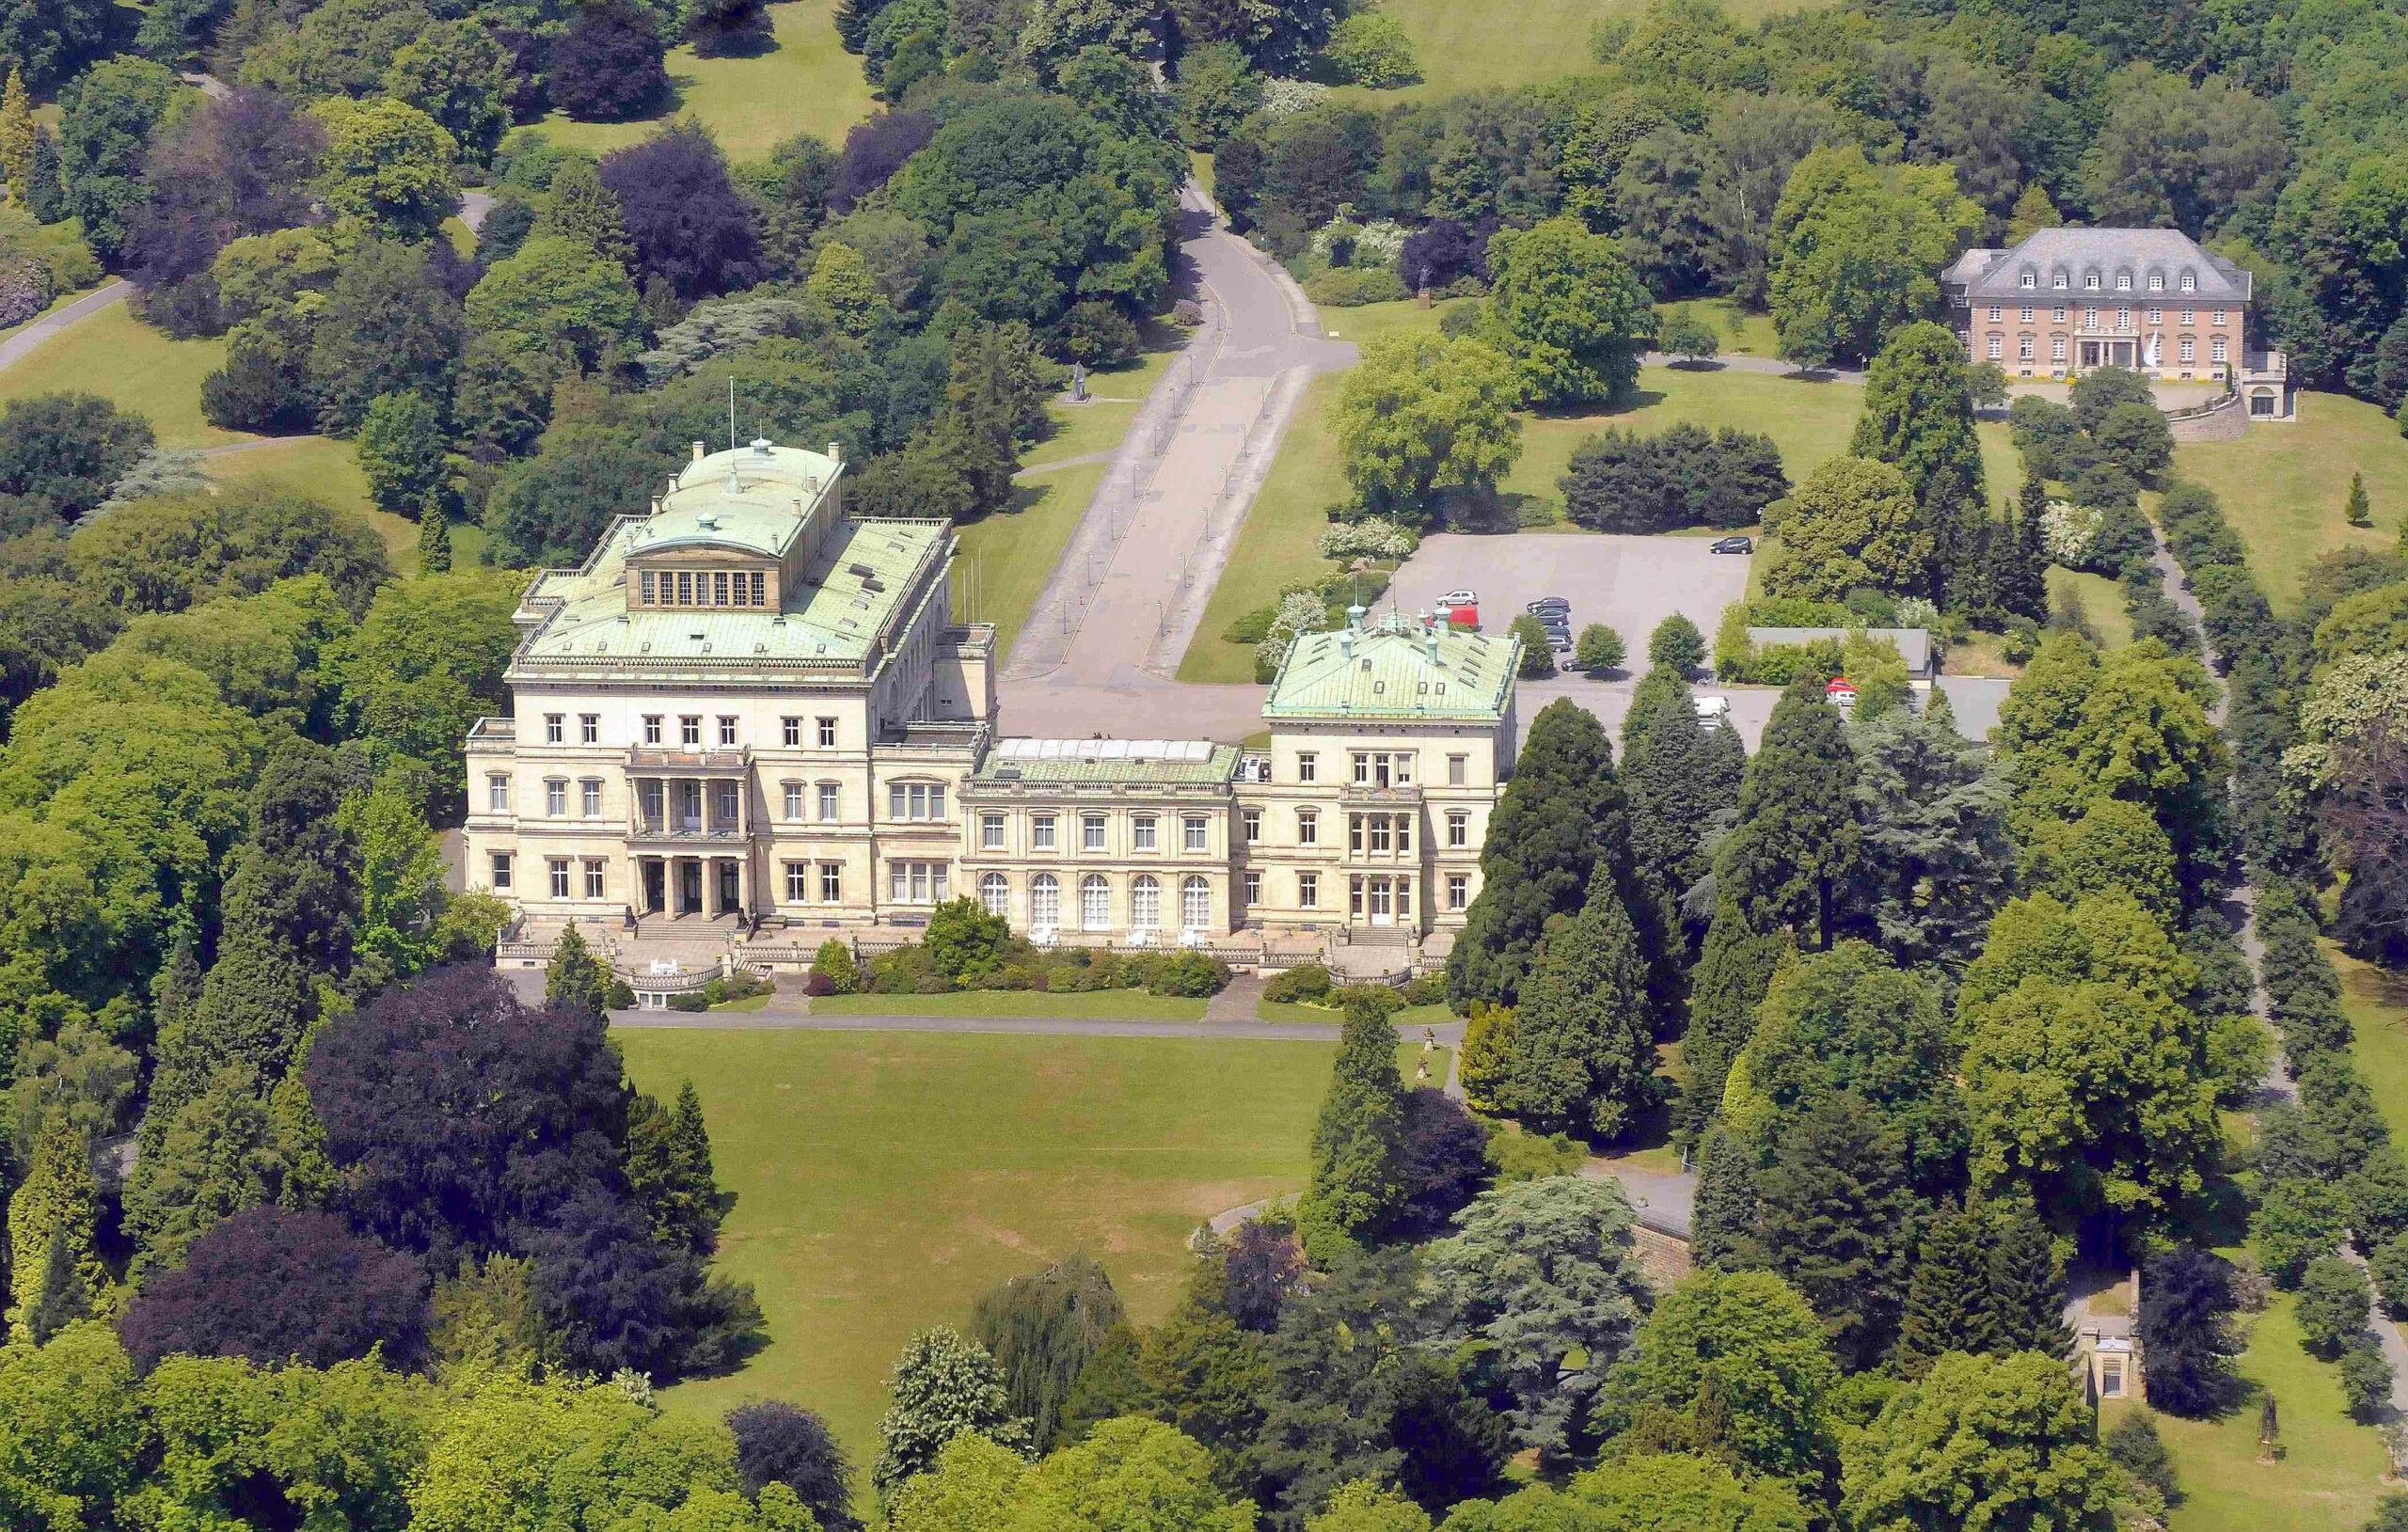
(2283, 485)
(883, 1180)
(1485, 46)
(115, 355)
(1093, 1004)
(2102, 602)
(806, 84)
(2377, 1003)
(1006, 559)
(2326, 1479)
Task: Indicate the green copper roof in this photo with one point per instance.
(753, 500)
(1167, 761)
(1395, 670)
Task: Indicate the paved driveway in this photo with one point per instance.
(1628, 583)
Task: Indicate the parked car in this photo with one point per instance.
(1735, 544)
(1460, 598)
(1713, 710)
(1547, 603)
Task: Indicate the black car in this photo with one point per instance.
(1735, 544)
(1547, 603)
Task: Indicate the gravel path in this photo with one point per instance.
(17, 346)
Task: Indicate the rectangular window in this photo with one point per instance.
(2090, 319)
(916, 883)
(1362, 768)
(1998, 347)
(1458, 828)
(690, 732)
(2188, 349)
(1252, 820)
(798, 882)
(832, 882)
(827, 733)
(895, 800)
(790, 732)
(2091, 282)
(2060, 315)
(649, 599)
(555, 798)
(1306, 766)
(685, 587)
(2215, 316)
(2123, 281)
(1994, 313)
(1458, 771)
(723, 801)
(589, 728)
(501, 871)
(726, 729)
(1458, 890)
(652, 728)
(558, 868)
(1354, 833)
(1041, 836)
(826, 802)
(1404, 767)
(2124, 320)
(2024, 313)
(990, 832)
(1252, 888)
(790, 804)
(2023, 349)
(760, 589)
(2028, 281)
(2157, 316)
(2190, 283)
(1309, 890)
(2190, 316)
(497, 795)
(1141, 833)
(2060, 282)
(2056, 348)
(2215, 348)
(719, 589)
(1403, 833)
(589, 798)
(2157, 281)
(594, 877)
(1192, 832)
(1091, 832)
(1308, 827)
(1379, 832)
(555, 729)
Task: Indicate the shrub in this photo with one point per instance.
(906, 970)
(2296, 1222)
(2138, 1450)
(24, 287)
(1189, 975)
(1462, 320)
(1304, 984)
(693, 1000)
(1429, 990)
(834, 965)
(2366, 1377)
(1368, 537)
(1677, 645)
(1517, 1154)
(2389, 1264)
(1379, 999)
(1351, 286)
(1100, 335)
(1598, 650)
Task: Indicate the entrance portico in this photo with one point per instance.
(675, 885)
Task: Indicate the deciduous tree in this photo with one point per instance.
(1999, 1441)
(1568, 313)
(1422, 414)
(942, 1387)
(1853, 522)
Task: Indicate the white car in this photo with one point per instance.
(1459, 598)
(1713, 710)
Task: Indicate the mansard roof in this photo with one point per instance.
(2106, 253)
(1395, 670)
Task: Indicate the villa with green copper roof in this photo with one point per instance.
(749, 715)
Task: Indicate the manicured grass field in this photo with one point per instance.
(1481, 47)
(2283, 485)
(883, 1180)
(1006, 559)
(1743, 330)
(806, 84)
(1117, 396)
(1086, 1005)
(2326, 1479)
(118, 356)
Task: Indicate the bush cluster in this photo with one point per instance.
(912, 971)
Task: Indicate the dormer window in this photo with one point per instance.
(2060, 283)
(2157, 281)
(2090, 282)
(703, 588)
(2190, 282)
(2029, 281)
(2123, 281)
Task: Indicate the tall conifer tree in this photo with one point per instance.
(1948, 1298)
(2027, 1282)
(1836, 1220)
(1357, 1142)
(1583, 1047)
(1793, 860)
(1734, 971)
(1723, 1227)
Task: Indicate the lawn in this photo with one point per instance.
(2377, 1005)
(1082, 429)
(2102, 602)
(806, 84)
(116, 355)
(1086, 1005)
(1744, 331)
(1484, 47)
(883, 1180)
(2283, 485)
(1007, 558)
(2326, 1479)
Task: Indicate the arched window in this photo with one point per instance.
(1195, 904)
(1045, 902)
(995, 894)
(1145, 902)
(1095, 902)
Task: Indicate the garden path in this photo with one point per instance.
(22, 344)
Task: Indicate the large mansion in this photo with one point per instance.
(747, 710)
(2068, 300)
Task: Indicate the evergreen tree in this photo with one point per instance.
(1680, 771)
(1836, 1220)
(2355, 510)
(580, 207)
(1562, 814)
(575, 979)
(1949, 1296)
(46, 189)
(175, 989)
(670, 1175)
(57, 1201)
(1357, 1181)
(434, 538)
(2027, 1282)
(62, 1298)
(1938, 861)
(943, 1385)
(2020, 580)
(16, 135)
(989, 399)
(1723, 1227)
(1734, 971)
(1584, 1053)
(1796, 860)
(1919, 415)
(253, 1009)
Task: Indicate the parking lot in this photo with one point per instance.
(1628, 583)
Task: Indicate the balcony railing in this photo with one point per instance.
(494, 732)
(1407, 792)
(672, 827)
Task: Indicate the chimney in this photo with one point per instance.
(836, 450)
(699, 450)
(1346, 640)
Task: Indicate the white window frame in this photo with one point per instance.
(1458, 891)
(798, 882)
(499, 867)
(1095, 902)
(1195, 833)
(1044, 902)
(556, 874)
(555, 798)
(995, 896)
(1141, 836)
(555, 728)
(790, 800)
(1195, 904)
(830, 803)
(496, 793)
(1145, 902)
(1309, 890)
(589, 798)
(1042, 832)
(595, 878)
(589, 728)
(990, 832)
(1091, 832)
